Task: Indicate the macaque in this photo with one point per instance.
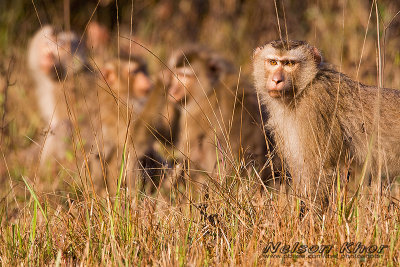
(91, 108)
(98, 43)
(98, 37)
(120, 100)
(154, 134)
(52, 58)
(218, 118)
(322, 120)
(130, 79)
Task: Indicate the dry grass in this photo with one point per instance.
(55, 218)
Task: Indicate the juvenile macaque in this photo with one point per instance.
(120, 100)
(323, 120)
(91, 109)
(153, 135)
(218, 116)
(53, 58)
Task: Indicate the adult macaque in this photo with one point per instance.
(322, 120)
(53, 57)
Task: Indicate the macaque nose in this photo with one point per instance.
(147, 84)
(277, 78)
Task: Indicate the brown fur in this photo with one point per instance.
(217, 116)
(322, 119)
(88, 108)
(153, 134)
(120, 99)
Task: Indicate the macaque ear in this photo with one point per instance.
(256, 51)
(217, 66)
(109, 73)
(317, 55)
(129, 69)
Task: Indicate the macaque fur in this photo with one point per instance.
(120, 98)
(86, 106)
(322, 120)
(53, 59)
(216, 115)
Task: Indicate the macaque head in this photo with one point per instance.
(185, 78)
(196, 72)
(133, 79)
(282, 69)
(98, 37)
(70, 51)
(42, 48)
(51, 53)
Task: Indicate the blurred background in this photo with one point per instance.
(232, 27)
(347, 33)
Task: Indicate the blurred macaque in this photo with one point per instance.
(131, 80)
(71, 104)
(52, 53)
(153, 134)
(53, 57)
(98, 37)
(218, 113)
(216, 116)
(120, 100)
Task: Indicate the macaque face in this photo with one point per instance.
(70, 53)
(279, 72)
(56, 53)
(133, 79)
(140, 83)
(47, 52)
(185, 80)
(283, 73)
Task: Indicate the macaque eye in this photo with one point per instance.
(289, 63)
(135, 71)
(185, 72)
(273, 62)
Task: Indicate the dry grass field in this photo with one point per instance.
(55, 217)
